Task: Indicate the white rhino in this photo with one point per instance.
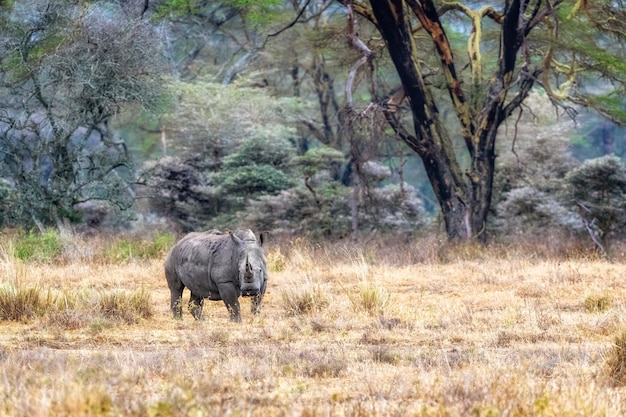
(216, 266)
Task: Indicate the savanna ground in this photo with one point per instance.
(381, 329)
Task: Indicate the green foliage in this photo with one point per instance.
(210, 120)
(611, 104)
(318, 159)
(40, 247)
(276, 152)
(253, 180)
(258, 12)
(6, 4)
(257, 167)
(176, 8)
(125, 249)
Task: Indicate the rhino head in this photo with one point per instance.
(251, 263)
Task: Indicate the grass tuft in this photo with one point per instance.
(126, 307)
(307, 299)
(615, 362)
(598, 303)
(276, 261)
(19, 302)
(370, 298)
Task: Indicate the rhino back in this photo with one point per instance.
(204, 259)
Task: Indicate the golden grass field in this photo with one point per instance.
(346, 330)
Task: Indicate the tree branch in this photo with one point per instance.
(429, 18)
(357, 44)
(291, 24)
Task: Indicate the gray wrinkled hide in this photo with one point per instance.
(216, 266)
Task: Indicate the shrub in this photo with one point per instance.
(179, 191)
(598, 186)
(528, 207)
(252, 180)
(326, 213)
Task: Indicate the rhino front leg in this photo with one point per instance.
(258, 299)
(195, 306)
(256, 303)
(233, 309)
(230, 295)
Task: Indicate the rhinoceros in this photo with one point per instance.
(216, 266)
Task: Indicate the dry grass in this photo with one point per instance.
(345, 331)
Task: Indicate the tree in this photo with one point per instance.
(562, 46)
(259, 167)
(66, 69)
(223, 157)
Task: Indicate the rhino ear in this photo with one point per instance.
(263, 237)
(235, 238)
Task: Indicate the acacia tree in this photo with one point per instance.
(66, 69)
(571, 49)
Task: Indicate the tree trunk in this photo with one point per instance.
(464, 198)
(432, 142)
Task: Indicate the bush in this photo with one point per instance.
(179, 191)
(252, 180)
(390, 209)
(598, 187)
(529, 207)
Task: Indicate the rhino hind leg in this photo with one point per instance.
(176, 302)
(195, 306)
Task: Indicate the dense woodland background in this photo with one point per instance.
(188, 114)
